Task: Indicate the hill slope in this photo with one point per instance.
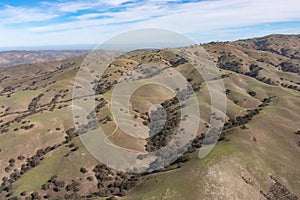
(257, 156)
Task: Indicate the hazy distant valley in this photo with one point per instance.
(10, 58)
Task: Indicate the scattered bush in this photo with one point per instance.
(251, 93)
(83, 170)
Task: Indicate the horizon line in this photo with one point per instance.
(74, 47)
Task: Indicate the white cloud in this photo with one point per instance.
(141, 13)
(88, 16)
(210, 15)
(208, 19)
(70, 7)
(14, 15)
(191, 17)
(81, 5)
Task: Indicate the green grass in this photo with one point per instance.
(181, 181)
(39, 175)
(275, 151)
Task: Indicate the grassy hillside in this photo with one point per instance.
(257, 157)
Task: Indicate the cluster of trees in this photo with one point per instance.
(112, 182)
(251, 93)
(290, 67)
(254, 70)
(163, 124)
(7, 89)
(4, 128)
(33, 105)
(242, 120)
(74, 186)
(100, 105)
(266, 80)
(53, 184)
(228, 61)
(198, 141)
(33, 161)
(33, 83)
(53, 102)
(27, 127)
(56, 186)
(71, 133)
(66, 65)
(294, 87)
(6, 185)
(103, 85)
(178, 62)
(3, 78)
(33, 108)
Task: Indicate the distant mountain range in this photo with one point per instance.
(18, 57)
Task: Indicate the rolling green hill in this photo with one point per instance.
(256, 157)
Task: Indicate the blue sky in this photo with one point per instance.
(45, 23)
